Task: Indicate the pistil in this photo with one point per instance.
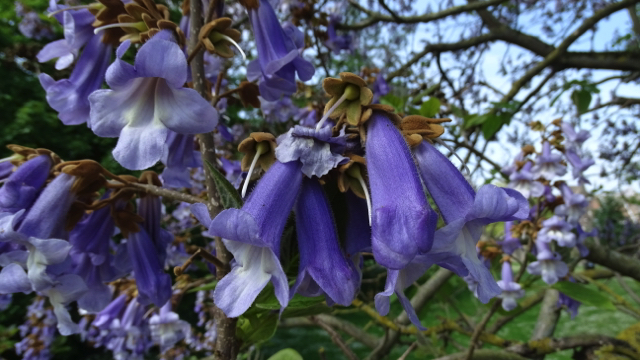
(261, 148)
(351, 92)
(354, 171)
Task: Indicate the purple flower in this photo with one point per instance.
(548, 165)
(549, 264)
(147, 101)
(70, 97)
(570, 304)
(510, 244)
(465, 214)
(582, 236)
(402, 222)
(77, 32)
(511, 291)
(154, 285)
(574, 140)
(252, 234)
(23, 185)
(150, 208)
(179, 157)
(279, 111)
(278, 54)
(317, 150)
(380, 88)
(167, 328)
(336, 42)
(579, 165)
(91, 253)
(575, 205)
(324, 267)
(523, 182)
(557, 229)
(233, 171)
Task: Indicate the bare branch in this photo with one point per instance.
(426, 292)
(485, 355)
(425, 18)
(623, 264)
(548, 316)
(348, 328)
(480, 328)
(525, 305)
(335, 337)
(548, 346)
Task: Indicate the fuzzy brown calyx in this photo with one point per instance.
(25, 154)
(125, 218)
(249, 93)
(346, 179)
(416, 128)
(212, 35)
(150, 18)
(106, 15)
(89, 176)
(249, 147)
(352, 90)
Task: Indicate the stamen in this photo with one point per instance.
(138, 26)
(328, 113)
(354, 171)
(217, 36)
(77, 7)
(464, 166)
(261, 148)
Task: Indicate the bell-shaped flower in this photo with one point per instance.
(511, 291)
(167, 328)
(324, 266)
(91, 240)
(77, 31)
(40, 231)
(278, 54)
(509, 244)
(23, 185)
(574, 140)
(70, 97)
(549, 265)
(150, 209)
(465, 213)
(252, 234)
(402, 222)
(582, 236)
(568, 303)
(66, 289)
(523, 182)
(548, 164)
(575, 205)
(112, 311)
(179, 157)
(380, 88)
(336, 42)
(559, 230)
(147, 100)
(153, 283)
(579, 165)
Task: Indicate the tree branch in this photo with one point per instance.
(425, 293)
(548, 346)
(525, 305)
(335, 337)
(375, 17)
(348, 328)
(623, 264)
(166, 193)
(227, 344)
(548, 316)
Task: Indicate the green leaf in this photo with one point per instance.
(286, 354)
(472, 120)
(491, 126)
(581, 99)
(297, 302)
(229, 196)
(256, 328)
(430, 107)
(395, 101)
(584, 294)
(306, 311)
(209, 286)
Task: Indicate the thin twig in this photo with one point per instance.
(335, 337)
(480, 328)
(165, 193)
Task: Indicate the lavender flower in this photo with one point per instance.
(336, 42)
(557, 229)
(324, 267)
(523, 182)
(147, 101)
(178, 158)
(252, 234)
(465, 213)
(510, 244)
(77, 32)
(23, 185)
(511, 291)
(167, 328)
(575, 205)
(549, 264)
(548, 165)
(402, 222)
(278, 54)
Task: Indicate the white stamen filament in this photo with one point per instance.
(366, 195)
(78, 7)
(117, 25)
(248, 178)
(223, 36)
(464, 166)
(354, 171)
(328, 113)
